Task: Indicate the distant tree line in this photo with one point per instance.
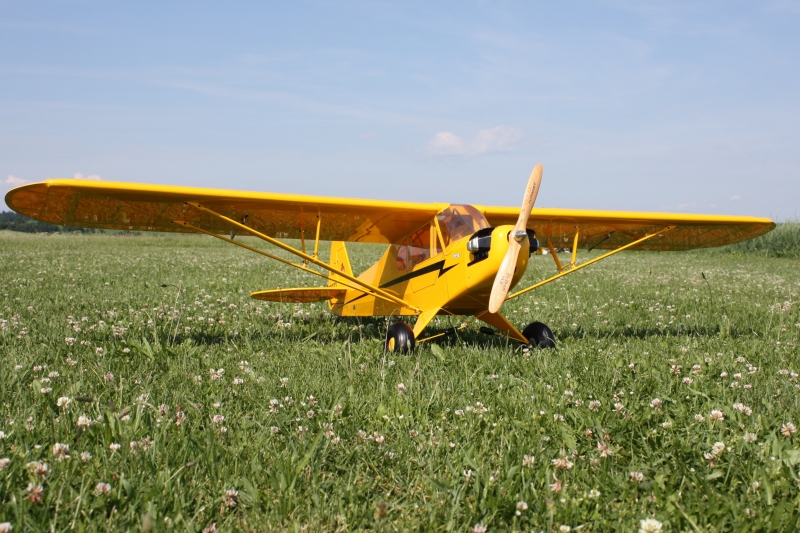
(15, 222)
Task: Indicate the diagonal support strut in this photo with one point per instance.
(584, 265)
(375, 291)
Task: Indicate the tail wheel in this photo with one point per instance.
(399, 338)
(539, 335)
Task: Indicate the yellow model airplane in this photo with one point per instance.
(442, 258)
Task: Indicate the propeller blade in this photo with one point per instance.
(502, 282)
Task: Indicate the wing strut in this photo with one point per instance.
(256, 250)
(575, 268)
(375, 291)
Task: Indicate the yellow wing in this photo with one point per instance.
(140, 207)
(133, 206)
(612, 229)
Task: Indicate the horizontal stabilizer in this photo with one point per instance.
(299, 296)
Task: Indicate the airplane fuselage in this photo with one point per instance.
(455, 280)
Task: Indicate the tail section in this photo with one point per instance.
(340, 261)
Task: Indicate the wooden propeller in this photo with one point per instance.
(502, 281)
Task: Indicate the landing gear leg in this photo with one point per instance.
(539, 335)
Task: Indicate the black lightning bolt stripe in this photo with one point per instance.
(422, 271)
(411, 275)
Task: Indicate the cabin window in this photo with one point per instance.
(402, 262)
(419, 246)
(436, 242)
(459, 221)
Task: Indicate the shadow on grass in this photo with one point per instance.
(373, 329)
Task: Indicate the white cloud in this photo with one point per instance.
(13, 180)
(79, 176)
(497, 139)
(735, 197)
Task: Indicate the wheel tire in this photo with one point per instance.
(399, 338)
(539, 335)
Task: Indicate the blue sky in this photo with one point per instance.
(668, 106)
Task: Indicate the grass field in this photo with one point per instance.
(672, 395)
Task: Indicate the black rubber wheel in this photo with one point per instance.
(399, 338)
(539, 335)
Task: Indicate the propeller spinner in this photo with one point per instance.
(502, 281)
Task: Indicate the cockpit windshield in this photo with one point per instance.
(459, 221)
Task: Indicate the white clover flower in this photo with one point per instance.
(528, 460)
(218, 419)
(40, 470)
(788, 429)
(562, 463)
(604, 450)
(63, 401)
(656, 403)
(401, 389)
(5, 527)
(717, 449)
(594, 405)
(114, 446)
(84, 421)
(521, 506)
(650, 525)
(637, 477)
(4, 462)
(61, 450)
(231, 498)
(594, 494)
(750, 437)
(102, 488)
(85, 456)
(717, 416)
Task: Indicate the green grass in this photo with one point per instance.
(429, 459)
